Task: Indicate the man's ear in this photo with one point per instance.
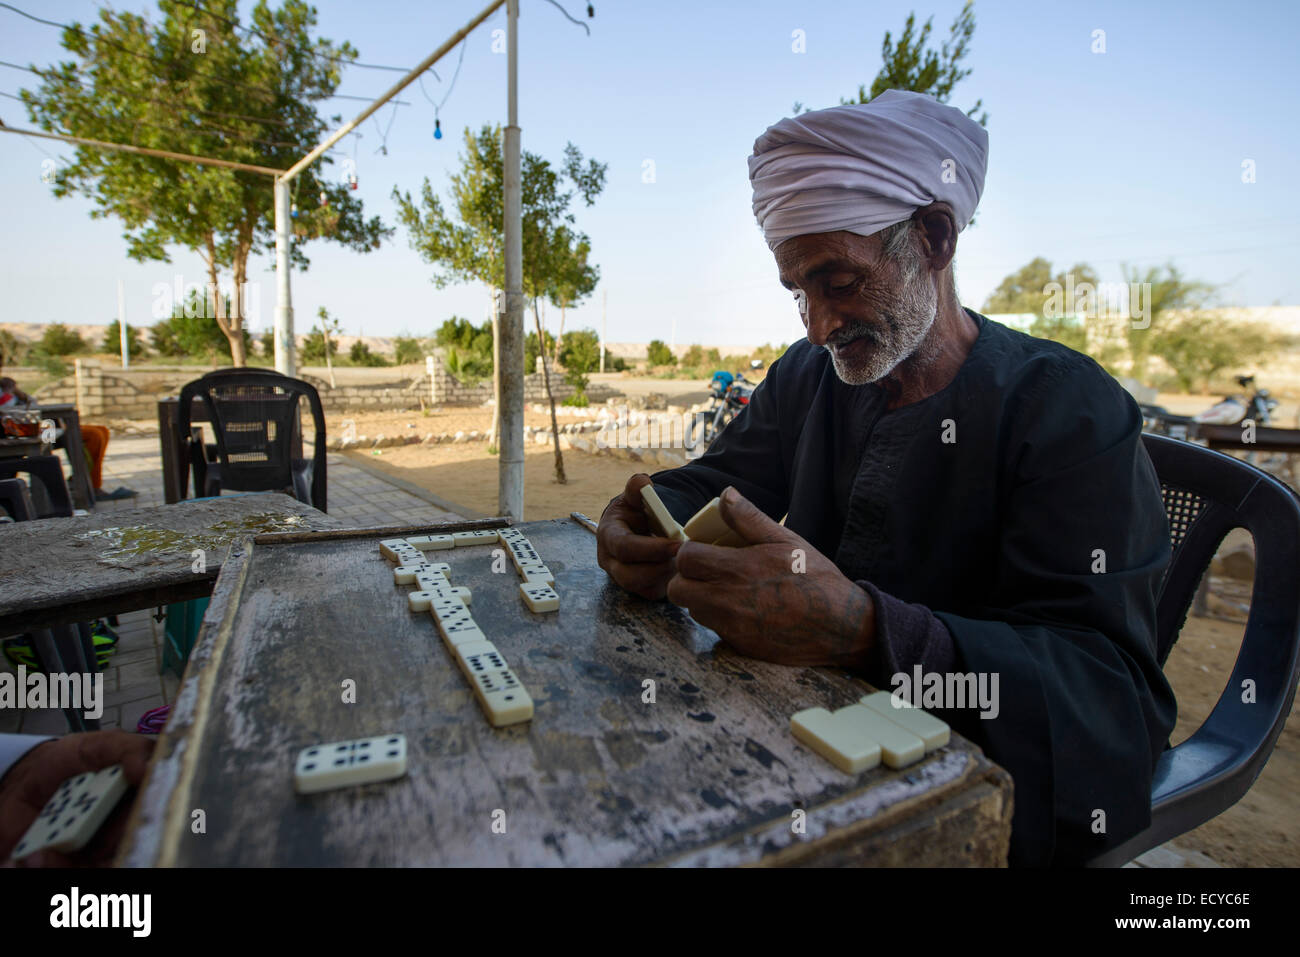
(938, 234)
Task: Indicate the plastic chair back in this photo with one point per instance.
(254, 415)
(1206, 495)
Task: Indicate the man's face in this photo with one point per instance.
(869, 311)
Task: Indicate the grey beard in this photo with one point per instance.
(908, 324)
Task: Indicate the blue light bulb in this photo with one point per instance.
(437, 129)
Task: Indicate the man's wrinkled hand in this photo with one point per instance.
(636, 559)
(778, 598)
(32, 781)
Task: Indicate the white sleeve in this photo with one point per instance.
(14, 746)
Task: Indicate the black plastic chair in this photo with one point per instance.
(1206, 495)
(254, 415)
(49, 492)
(16, 500)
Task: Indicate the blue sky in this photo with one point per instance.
(1132, 156)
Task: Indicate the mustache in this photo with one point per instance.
(851, 333)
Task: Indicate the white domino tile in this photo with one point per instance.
(502, 697)
(430, 543)
(933, 732)
(324, 767)
(539, 598)
(484, 537)
(76, 811)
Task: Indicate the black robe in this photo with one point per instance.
(975, 517)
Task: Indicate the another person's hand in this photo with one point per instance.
(636, 559)
(777, 599)
(32, 781)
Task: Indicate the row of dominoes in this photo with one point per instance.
(706, 526)
(499, 692)
(538, 585)
(859, 736)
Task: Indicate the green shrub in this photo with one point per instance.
(361, 355)
(59, 340)
(659, 354)
(408, 349)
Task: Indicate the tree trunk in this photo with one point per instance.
(329, 365)
(230, 326)
(546, 380)
(561, 334)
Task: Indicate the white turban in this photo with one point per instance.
(863, 167)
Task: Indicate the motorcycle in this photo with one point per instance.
(729, 396)
(1237, 408)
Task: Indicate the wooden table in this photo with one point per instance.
(707, 774)
(64, 570)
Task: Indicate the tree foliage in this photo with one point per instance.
(1027, 290)
(659, 354)
(910, 65)
(59, 340)
(242, 93)
(407, 349)
(113, 340)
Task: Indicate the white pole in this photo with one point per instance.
(121, 325)
(604, 306)
(285, 360)
(510, 497)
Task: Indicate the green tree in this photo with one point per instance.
(580, 351)
(1032, 288)
(267, 340)
(407, 350)
(1168, 293)
(59, 340)
(113, 339)
(313, 346)
(12, 351)
(250, 97)
(470, 247)
(659, 354)
(1198, 346)
(532, 351)
(361, 355)
(909, 65)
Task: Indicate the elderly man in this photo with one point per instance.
(959, 498)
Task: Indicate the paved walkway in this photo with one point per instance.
(132, 683)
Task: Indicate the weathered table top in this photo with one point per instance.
(708, 773)
(61, 570)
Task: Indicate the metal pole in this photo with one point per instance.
(604, 305)
(121, 325)
(285, 361)
(510, 499)
(145, 151)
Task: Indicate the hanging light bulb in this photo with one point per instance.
(324, 200)
(354, 182)
(591, 11)
(437, 129)
(293, 211)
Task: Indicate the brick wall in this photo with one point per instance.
(134, 394)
